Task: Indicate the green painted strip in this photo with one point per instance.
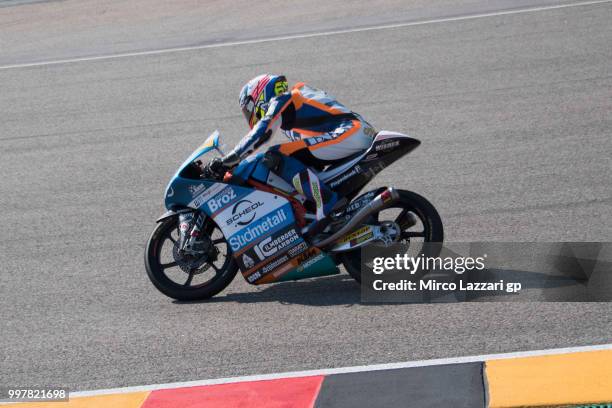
(604, 405)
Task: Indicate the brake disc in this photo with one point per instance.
(190, 262)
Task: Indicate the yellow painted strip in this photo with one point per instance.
(128, 400)
(576, 378)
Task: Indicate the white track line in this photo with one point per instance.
(344, 370)
(310, 35)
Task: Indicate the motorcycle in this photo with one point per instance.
(215, 225)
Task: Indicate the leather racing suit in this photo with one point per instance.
(321, 131)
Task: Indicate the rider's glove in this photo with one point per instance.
(216, 167)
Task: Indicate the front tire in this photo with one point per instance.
(425, 212)
(166, 233)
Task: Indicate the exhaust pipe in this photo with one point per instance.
(377, 204)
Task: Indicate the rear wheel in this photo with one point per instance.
(188, 277)
(419, 223)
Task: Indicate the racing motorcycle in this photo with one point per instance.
(216, 225)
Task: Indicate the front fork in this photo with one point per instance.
(190, 229)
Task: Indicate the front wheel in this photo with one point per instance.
(188, 278)
(419, 223)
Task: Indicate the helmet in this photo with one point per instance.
(257, 93)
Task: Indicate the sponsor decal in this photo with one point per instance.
(355, 205)
(370, 157)
(314, 140)
(196, 189)
(247, 261)
(252, 278)
(316, 193)
(206, 194)
(277, 271)
(362, 238)
(170, 192)
(340, 131)
(292, 135)
(386, 196)
(298, 249)
(197, 202)
(243, 212)
(274, 264)
(247, 210)
(356, 234)
(311, 262)
(308, 254)
(283, 269)
(221, 199)
(271, 245)
(184, 226)
(266, 223)
(387, 146)
(356, 170)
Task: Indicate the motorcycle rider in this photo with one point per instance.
(321, 131)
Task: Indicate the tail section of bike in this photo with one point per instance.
(348, 178)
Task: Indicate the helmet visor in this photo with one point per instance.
(247, 110)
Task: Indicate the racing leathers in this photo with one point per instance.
(321, 131)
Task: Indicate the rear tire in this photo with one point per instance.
(156, 270)
(433, 231)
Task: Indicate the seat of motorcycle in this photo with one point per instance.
(337, 169)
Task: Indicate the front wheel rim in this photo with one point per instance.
(175, 272)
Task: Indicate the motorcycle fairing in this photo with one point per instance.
(259, 227)
(183, 192)
(347, 179)
(270, 247)
(211, 143)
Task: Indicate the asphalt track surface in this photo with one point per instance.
(514, 112)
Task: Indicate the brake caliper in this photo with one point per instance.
(194, 248)
(193, 241)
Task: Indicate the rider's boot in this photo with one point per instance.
(326, 201)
